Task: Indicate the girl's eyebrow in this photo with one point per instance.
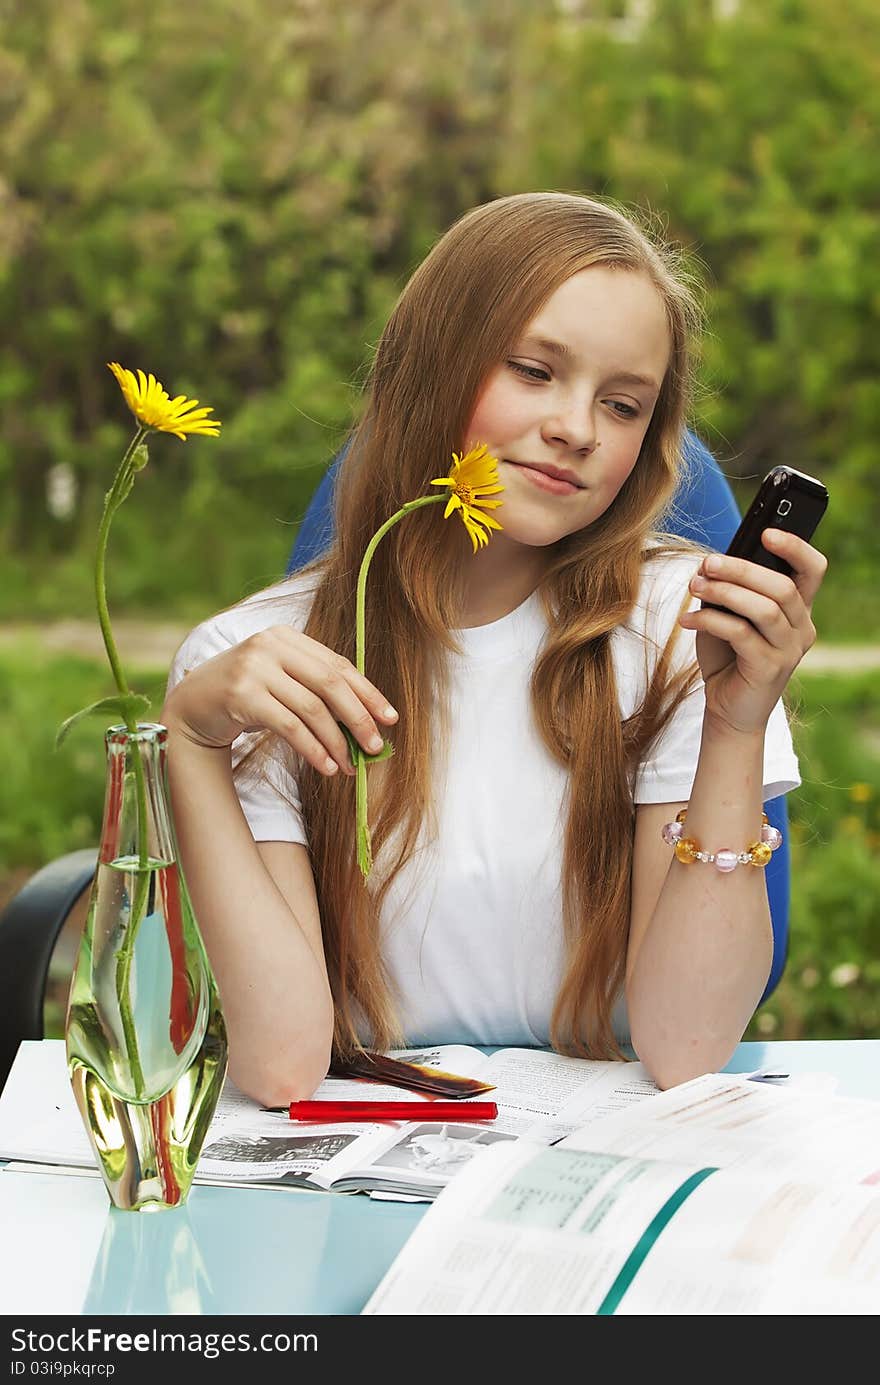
(553, 348)
(626, 377)
(559, 349)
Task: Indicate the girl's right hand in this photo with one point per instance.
(282, 681)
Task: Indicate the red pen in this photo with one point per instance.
(329, 1112)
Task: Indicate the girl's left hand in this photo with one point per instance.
(748, 652)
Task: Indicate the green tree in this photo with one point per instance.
(229, 196)
(753, 138)
(232, 196)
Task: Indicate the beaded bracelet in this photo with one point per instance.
(687, 851)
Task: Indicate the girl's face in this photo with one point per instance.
(566, 413)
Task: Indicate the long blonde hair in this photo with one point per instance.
(456, 319)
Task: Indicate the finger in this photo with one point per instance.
(759, 661)
(308, 678)
(720, 567)
(301, 707)
(316, 718)
(375, 701)
(709, 583)
(808, 565)
(275, 716)
(322, 697)
(773, 620)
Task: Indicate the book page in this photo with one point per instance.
(563, 1231)
(39, 1119)
(546, 1096)
(40, 1123)
(526, 1230)
(542, 1096)
(772, 1244)
(538, 1093)
(250, 1144)
(730, 1121)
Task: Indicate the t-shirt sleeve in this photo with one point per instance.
(666, 775)
(268, 792)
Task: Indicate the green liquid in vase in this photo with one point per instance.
(146, 1039)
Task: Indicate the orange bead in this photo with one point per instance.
(686, 850)
(760, 853)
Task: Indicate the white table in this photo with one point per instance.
(248, 1251)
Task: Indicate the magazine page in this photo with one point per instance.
(561, 1231)
(40, 1124)
(751, 1243)
(250, 1144)
(527, 1229)
(420, 1158)
(537, 1093)
(545, 1096)
(246, 1144)
(267, 1148)
(39, 1119)
(732, 1121)
(540, 1096)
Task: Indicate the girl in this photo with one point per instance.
(561, 695)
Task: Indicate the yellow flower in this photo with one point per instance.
(152, 407)
(861, 793)
(471, 479)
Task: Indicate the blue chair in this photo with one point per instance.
(705, 511)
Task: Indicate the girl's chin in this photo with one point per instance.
(525, 535)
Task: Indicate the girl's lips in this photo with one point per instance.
(545, 482)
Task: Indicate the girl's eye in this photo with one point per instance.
(624, 410)
(530, 372)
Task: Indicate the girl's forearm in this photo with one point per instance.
(273, 987)
(704, 961)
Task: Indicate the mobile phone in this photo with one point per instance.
(786, 499)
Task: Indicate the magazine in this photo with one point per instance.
(539, 1095)
(719, 1196)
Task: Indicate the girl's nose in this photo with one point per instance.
(573, 427)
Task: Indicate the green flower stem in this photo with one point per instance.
(364, 849)
(125, 955)
(112, 501)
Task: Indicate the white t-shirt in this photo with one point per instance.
(472, 927)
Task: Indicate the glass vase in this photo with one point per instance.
(145, 1035)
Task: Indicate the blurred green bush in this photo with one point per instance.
(51, 801)
(232, 196)
(830, 988)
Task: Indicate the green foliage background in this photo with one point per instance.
(232, 195)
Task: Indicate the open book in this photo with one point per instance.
(540, 1095)
(720, 1196)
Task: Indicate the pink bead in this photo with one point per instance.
(672, 832)
(726, 860)
(772, 836)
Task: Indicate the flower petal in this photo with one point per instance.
(150, 403)
(489, 522)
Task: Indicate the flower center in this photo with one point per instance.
(464, 493)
